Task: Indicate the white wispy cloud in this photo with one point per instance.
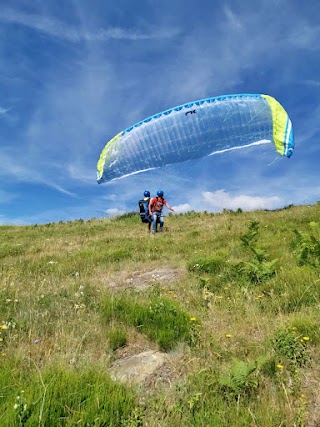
(4, 110)
(233, 19)
(10, 221)
(58, 29)
(111, 197)
(315, 83)
(306, 36)
(88, 89)
(19, 169)
(7, 197)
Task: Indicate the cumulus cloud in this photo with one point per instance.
(220, 199)
(182, 208)
(114, 212)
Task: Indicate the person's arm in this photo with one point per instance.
(150, 207)
(169, 207)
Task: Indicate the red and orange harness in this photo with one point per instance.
(157, 204)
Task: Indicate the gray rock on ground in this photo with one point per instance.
(136, 369)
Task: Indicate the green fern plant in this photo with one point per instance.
(250, 236)
(308, 249)
(258, 269)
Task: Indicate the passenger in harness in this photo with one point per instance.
(155, 210)
(144, 209)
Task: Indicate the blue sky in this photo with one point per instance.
(74, 73)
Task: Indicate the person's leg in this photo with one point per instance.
(154, 222)
(161, 220)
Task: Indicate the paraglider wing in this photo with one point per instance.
(194, 130)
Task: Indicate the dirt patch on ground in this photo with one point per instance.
(311, 387)
(140, 281)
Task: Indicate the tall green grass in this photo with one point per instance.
(240, 324)
(161, 320)
(62, 397)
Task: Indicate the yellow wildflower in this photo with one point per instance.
(305, 338)
(279, 366)
(193, 319)
(228, 335)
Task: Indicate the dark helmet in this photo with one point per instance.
(160, 193)
(146, 193)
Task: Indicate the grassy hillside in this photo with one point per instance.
(240, 320)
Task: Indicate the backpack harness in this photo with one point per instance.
(144, 210)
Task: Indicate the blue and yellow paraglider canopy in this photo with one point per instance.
(194, 130)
